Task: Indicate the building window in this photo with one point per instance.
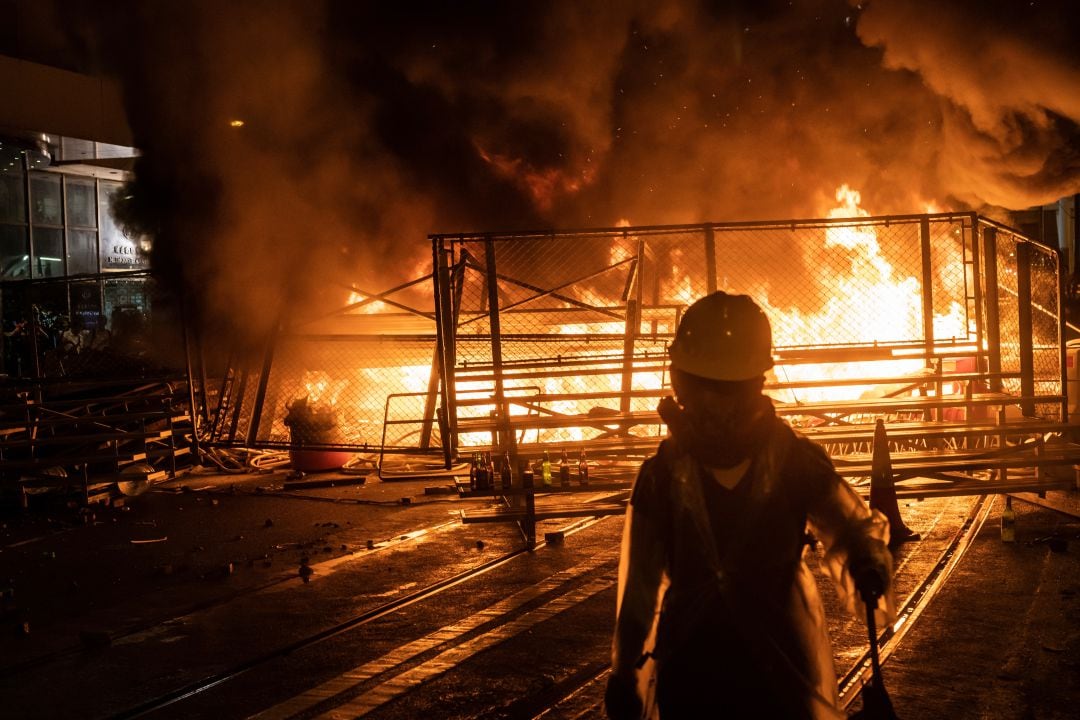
(45, 206)
(12, 192)
(14, 252)
(48, 260)
(79, 198)
(82, 252)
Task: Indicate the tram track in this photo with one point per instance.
(404, 653)
(366, 688)
(148, 627)
(582, 696)
(575, 690)
(852, 681)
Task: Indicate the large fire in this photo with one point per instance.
(857, 280)
(866, 283)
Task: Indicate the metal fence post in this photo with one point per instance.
(976, 292)
(927, 289)
(632, 327)
(993, 320)
(445, 339)
(710, 260)
(508, 444)
(260, 392)
(1023, 299)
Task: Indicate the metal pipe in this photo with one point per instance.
(193, 409)
(260, 391)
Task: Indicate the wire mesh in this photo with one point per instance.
(363, 378)
(576, 341)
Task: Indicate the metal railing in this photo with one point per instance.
(857, 306)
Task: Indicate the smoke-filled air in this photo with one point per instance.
(291, 145)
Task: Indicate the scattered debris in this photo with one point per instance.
(151, 540)
(305, 570)
(554, 538)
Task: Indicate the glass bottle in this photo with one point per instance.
(1008, 522)
(583, 468)
(564, 470)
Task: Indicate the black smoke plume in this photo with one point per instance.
(368, 125)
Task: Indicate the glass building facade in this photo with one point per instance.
(64, 260)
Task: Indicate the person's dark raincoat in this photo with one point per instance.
(718, 614)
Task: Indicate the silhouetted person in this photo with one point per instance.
(714, 542)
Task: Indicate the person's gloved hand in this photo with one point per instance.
(621, 699)
(869, 581)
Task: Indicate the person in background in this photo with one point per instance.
(718, 614)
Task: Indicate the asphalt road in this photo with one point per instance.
(192, 604)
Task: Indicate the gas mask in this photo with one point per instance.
(718, 432)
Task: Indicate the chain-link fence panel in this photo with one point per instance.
(361, 378)
(1046, 329)
(1007, 309)
(561, 337)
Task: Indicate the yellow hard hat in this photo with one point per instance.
(723, 337)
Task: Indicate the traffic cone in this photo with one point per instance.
(883, 489)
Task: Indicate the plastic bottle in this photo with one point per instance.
(583, 468)
(545, 469)
(564, 470)
(1008, 522)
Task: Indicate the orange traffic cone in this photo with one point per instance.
(883, 489)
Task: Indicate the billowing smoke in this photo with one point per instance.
(368, 125)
